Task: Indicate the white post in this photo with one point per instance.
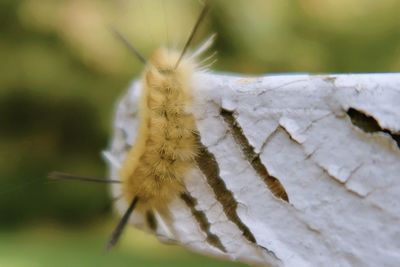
(331, 142)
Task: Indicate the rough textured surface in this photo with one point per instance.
(342, 181)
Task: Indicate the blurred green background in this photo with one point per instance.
(61, 72)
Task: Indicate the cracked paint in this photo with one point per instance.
(343, 182)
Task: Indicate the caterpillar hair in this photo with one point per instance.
(67, 176)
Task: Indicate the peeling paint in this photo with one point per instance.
(343, 179)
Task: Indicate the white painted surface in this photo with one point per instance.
(343, 183)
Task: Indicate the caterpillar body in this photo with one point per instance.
(165, 146)
(164, 150)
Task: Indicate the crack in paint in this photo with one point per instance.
(334, 178)
(253, 158)
(204, 224)
(369, 124)
(151, 220)
(288, 133)
(281, 86)
(209, 167)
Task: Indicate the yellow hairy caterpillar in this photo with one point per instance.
(165, 149)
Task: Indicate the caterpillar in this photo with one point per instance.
(152, 174)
